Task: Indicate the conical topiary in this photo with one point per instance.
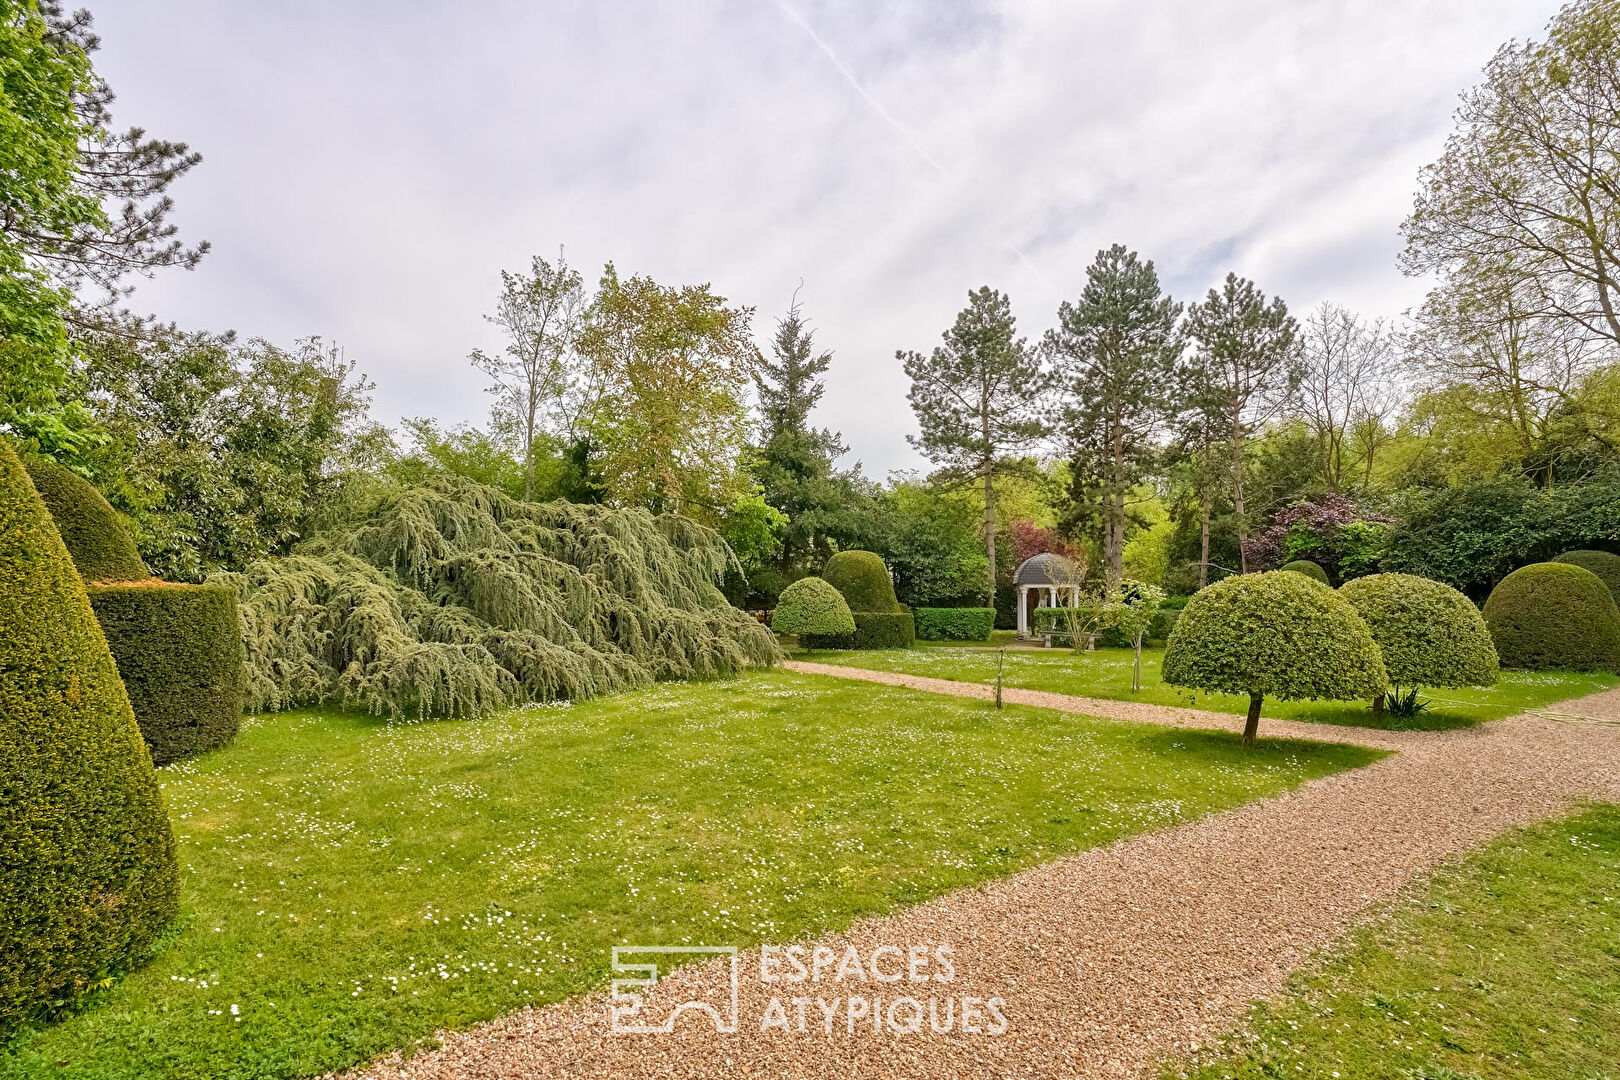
(87, 867)
(96, 539)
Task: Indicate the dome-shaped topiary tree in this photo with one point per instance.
(1308, 568)
(1281, 634)
(811, 606)
(1428, 634)
(1605, 564)
(87, 867)
(1554, 615)
(881, 621)
(862, 579)
(95, 536)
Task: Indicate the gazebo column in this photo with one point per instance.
(1023, 611)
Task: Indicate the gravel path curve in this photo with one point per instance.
(1109, 960)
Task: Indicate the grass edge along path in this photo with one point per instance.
(1105, 675)
(1503, 963)
(352, 887)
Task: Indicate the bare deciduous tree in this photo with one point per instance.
(1348, 390)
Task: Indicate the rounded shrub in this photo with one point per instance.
(1554, 615)
(179, 652)
(863, 579)
(1308, 568)
(955, 623)
(87, 866)
(1281, 634)
(1429, 634)
(95, 535)
(1605, 564)
(811, 606)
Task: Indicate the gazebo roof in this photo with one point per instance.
(1047, 569)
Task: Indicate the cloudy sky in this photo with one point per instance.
(370, 167)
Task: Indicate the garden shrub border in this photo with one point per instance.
(955, 623)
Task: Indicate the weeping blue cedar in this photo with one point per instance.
(451, 600)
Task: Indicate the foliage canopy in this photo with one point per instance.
(1429, 634)
(811, 606)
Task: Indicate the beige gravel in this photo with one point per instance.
(1112, 959)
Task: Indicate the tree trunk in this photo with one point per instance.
(990, 533)
(1114, 515)
(1378, 709)
(1252, 724)
(1237, 493)
(1136, 671)
(1204, 499)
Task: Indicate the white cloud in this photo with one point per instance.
(370, 167)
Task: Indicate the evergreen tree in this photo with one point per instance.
(1246, 368)
(794, 462)
(1116, 350)
(978, 399)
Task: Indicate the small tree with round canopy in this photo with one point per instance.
(1428, 634)
(812, 606)
(1278, 633)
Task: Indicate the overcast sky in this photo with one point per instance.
(369, 168)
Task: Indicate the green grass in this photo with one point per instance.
(1106, 673)
(351, 887)
(1507, 965)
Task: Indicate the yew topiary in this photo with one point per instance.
(1308, 568)
(1605, 564)
(1554, 615)
(863, 580)
(811, 606)
(1279, 633)
(95, 535)
(87, 866)
(1428, 634)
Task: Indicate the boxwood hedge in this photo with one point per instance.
(863, 579)
(1280, 633)
(87, 866)
(873, 630)
(95, 535)
(1308, 568)
(955, 623)
(1554, 615)
(179, 652)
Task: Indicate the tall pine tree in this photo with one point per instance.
(978, 398)
(1116, 350)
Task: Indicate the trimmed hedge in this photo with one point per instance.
(863, 579)
(1308, 568)
(873, 630)
(955, 623)
(95, 535)
(1605, 564)
(1554, 615)
(811, 606)
(87, 867)
(179, 652)
(1429, 634)
(1281, 634)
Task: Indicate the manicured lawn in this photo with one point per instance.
(1106, 673)
(1506, 966)
(351, 887)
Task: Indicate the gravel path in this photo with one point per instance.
(1109, 960)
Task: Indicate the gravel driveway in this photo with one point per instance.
(1104, 962)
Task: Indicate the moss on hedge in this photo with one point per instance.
(1605, 564)
(811, 606)
(87, 867)
(1281, 634)
(1428, 633)
(95, 535)
(1554, 615)
(863, 579)
(179, 652)
(1308, 568)
(955, 623)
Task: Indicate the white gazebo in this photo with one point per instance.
(1045, 577)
